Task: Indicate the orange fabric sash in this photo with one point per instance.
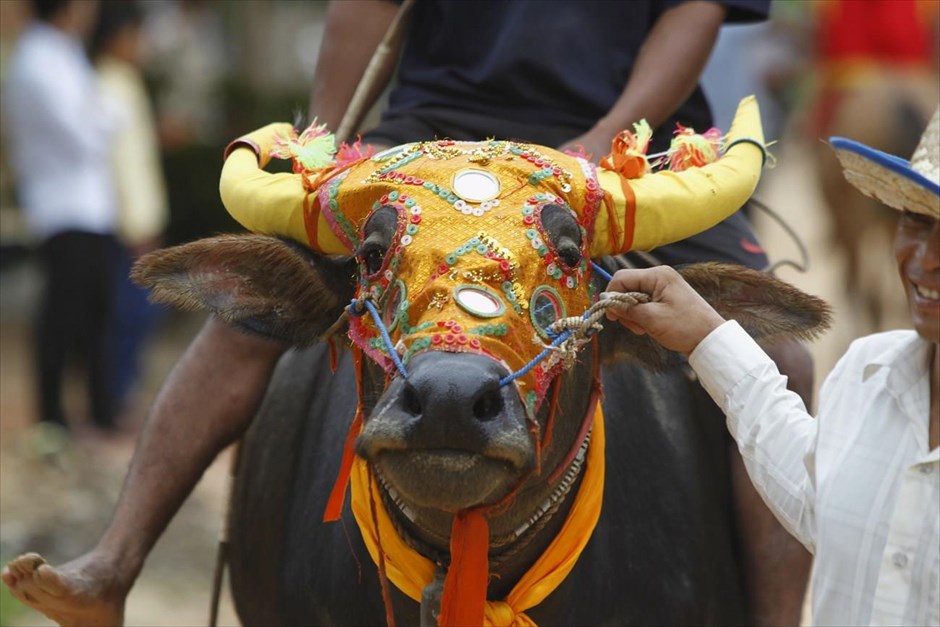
(411, 572)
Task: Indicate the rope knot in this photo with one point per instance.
(501, 614)
(581, 329)
(357, 306)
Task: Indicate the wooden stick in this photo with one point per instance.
(350, 121)
(222, 556)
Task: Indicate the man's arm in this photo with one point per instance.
(665, 74)
(773, 430)
(353, 31)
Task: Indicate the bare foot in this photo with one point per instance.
(81, 592)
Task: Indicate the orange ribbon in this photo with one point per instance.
(411, 572)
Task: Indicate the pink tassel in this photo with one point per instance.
(350, 153)
(692, 150)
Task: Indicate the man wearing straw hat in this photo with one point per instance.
(859, 486)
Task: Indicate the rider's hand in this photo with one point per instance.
(596, 144)
(676, 316)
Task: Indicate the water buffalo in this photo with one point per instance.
(481, 460)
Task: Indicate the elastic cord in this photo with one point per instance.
(748, 140)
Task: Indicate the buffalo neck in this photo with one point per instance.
(539, 507)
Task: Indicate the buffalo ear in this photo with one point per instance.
(618, 342)
(264, 285)
(766, 307)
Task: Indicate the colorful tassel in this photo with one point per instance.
(578, 151)
(312, 150)
(628, 151)
(351, 153)
(334, 504)
(692, 150)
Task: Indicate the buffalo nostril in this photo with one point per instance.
(488, 406)
(410, 401)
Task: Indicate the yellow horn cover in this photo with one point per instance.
(664, 207)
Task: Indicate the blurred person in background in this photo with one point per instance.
(544, 86)
(58, 132)
(877, 74)
(187, 55)
(138, 175)
(859, 485)
(14, 241)
(743, 61)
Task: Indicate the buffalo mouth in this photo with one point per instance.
(449, 437)
(446, 479)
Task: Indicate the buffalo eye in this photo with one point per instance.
(569, 253)
(564, 233)
(377, 238)
(372, 257)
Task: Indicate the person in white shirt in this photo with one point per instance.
(860, 485)
(58, 134)
(143, 210)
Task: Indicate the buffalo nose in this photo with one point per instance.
(454, 385)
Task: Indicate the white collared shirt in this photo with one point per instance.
(58, 132)
(858, 486)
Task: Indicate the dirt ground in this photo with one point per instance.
(56, 496)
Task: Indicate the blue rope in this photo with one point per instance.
(529, 366)
(564, 335)
(355, 310)
(604, 274)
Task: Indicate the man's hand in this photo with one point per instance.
(596, 144)
(676, 316)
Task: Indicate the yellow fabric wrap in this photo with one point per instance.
(670, 206)
(410, 571)
(266, 203)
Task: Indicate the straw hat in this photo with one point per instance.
(907, 186)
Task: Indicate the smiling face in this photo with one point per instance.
(917, 250)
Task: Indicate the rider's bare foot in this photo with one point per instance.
(81, 592)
